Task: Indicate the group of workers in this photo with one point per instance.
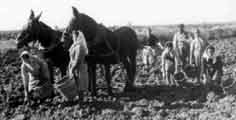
(188, 56)
(185, 50)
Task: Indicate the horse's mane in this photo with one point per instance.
(87, 25)
(48, 34)
(45, 26)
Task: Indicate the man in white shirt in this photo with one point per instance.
(197, 48)
(181, 46)
(78, 67)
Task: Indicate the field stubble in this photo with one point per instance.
(150, 101)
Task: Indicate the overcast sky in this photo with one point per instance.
(14, 13)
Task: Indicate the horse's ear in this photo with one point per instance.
(31, 17)
(37, 18)
(75, 11)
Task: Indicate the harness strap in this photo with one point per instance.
(113, 51)
(108, 44)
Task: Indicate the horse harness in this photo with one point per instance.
(108, 44)
(113, 51)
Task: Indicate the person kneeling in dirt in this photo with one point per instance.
(36, 77)
(212, 67)
(168, 64)
(78, 67)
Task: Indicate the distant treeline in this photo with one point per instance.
(165, 33)
(208, 31)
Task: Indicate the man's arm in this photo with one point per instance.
(204, 70)
(163, 64)
(175, 47)
(76, 60)
(203, 65)
(191, 52)
(175, 42)
(160, 45)
(25, 79)
(175, 62)
(219, 64)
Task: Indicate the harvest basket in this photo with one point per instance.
(67, 88)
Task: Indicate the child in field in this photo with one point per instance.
(148, 55)
(212, 66)
(168, 64)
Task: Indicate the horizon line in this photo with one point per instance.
(143, 25)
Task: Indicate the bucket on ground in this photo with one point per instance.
(190, 70)
(179, 76)
(67, 88)
(229, 85)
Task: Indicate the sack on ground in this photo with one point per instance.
(67, 88)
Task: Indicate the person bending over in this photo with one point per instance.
(36, 77)
(168, 64)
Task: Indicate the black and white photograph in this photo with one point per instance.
(118, 60)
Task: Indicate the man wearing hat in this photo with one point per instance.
(36, 77)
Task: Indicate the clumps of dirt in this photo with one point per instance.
(151, 100)
(11, 87)
(10, 57)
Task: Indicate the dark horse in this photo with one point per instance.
(105, 47)
(50, 39)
